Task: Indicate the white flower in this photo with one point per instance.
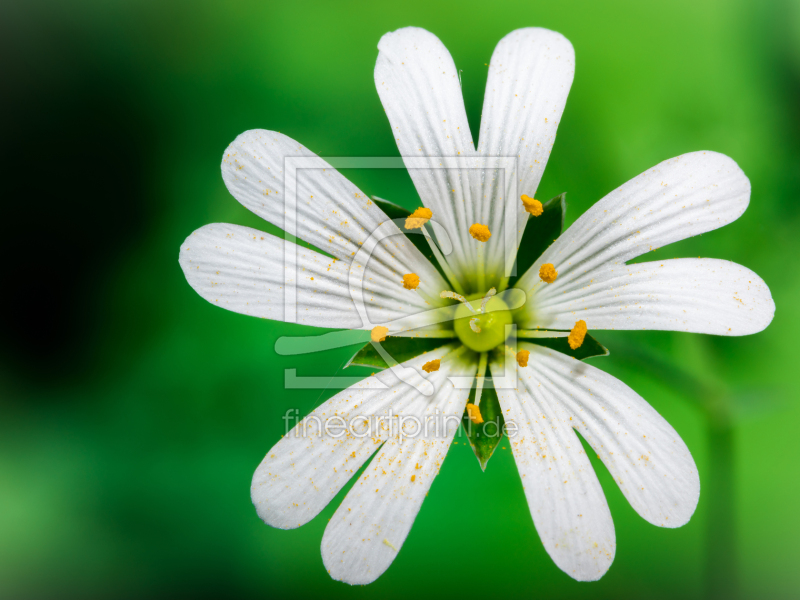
(581, 278)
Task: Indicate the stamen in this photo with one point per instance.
(480, 232)
(522, 357)
(418, 218)
(460, 298)
(577, 335)
(473, 324)
(474, 414)
(378, 333)
(486, 299)
(532, 205)
(432, 365)
(548, 273)
(411, 281)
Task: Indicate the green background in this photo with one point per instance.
(133, 413)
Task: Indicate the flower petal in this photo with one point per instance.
(332, 213)
(302, 473)
(369, 528)
(530, 76)
(243, 270)
(678, 198)
(645, 455)
(261, 172)
(419, 87)
(565, 498)
(686, 294)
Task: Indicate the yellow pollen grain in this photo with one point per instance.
(577, 334)
(532, 205)
(480, 232)
(388, 543)
(522, 357)
(378, 333)
(548, 273)
(418, 218)
(413, 478)
(411, 281)
(431, 366)
(474, 414)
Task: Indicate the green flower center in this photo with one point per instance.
(488, 329)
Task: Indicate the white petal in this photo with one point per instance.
(566, 501)
(369, 528)
(419, 87)
(687, 294)
(645, 455)
(678, 198)
(332, 213)
(243, 270)
(309, 465)
(529, 79)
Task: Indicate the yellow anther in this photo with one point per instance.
(474, 414)
(418, 218)
(577, 334)
(411, 281)
(522, 357)
(413, 478)
(378, 333)
(548, 273)
(532, 205)
(431, 366)
(480, 232)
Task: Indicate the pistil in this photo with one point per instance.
(482, 325)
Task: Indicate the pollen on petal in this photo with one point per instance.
(474, 414)
(522, 357)
(480, 232)
(418, 218)
(577, 334)
(548, 273)
(432, 365)
(532, 205)
(390, 544)
(378, 333)
(411, 281)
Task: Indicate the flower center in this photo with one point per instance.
(480, 321)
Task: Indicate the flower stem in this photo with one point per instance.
(721, 567)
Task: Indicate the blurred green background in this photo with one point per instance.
(133, 413)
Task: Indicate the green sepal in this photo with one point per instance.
(399, 348)
(540, 232)
(415, 236)
(590, 346)
(485, 437)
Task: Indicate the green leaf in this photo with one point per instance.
(590, 347)
(485, 437)
(399, 348)
(393, 211)
(540, 232)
